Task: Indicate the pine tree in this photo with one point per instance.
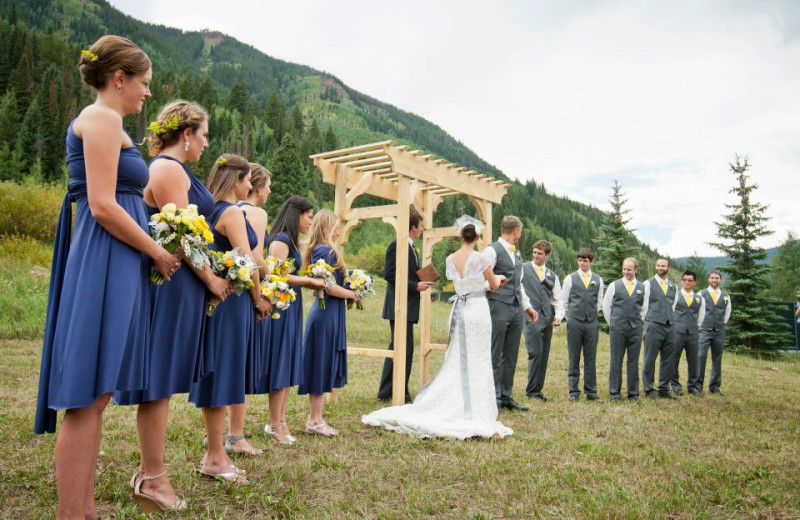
(750, 328)
(786, 270)
(697, 265)
(288, 175)
(613, 246)
(275, 116)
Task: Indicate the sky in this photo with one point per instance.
(658, 95)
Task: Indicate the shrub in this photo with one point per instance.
(369, 258)
(30, 208)
(23, 299)
(25, 249)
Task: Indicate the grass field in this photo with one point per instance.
(713, 457)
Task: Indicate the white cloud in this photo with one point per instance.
(658, 95)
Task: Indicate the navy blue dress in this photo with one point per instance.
(284, 360)
(325, 345)
(229, 332)
(257, 349)
(177, 322)
(98, 311)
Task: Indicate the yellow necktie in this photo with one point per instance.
(586, 280)
(539, 272)
(688, 300)
(714, 297)
(664, 286)
(630, 288)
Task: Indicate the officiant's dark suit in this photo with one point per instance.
(412, 313)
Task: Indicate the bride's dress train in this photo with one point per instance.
(459, 402)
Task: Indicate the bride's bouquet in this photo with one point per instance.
(275, 286)
(361, 283)
(320, 269)
(174, 228)
(233, 266)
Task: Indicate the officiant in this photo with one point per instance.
(415, 286)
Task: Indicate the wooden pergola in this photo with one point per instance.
(410, 178)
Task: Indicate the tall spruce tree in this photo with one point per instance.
(696, 264)
(751, 328)
(289, 177)
(613, 245)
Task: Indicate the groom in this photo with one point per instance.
(507, 305)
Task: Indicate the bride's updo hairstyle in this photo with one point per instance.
(108, 55)
(468, 233)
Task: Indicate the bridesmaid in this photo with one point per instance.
(260, 180)
(229, 331)
(97, 327)
(285, 359)
(325, 345)
(178, 307)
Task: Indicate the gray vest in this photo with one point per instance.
(627, 310)
(582, 304)
(539, 292)
(686, 317)
(659, 309)
(715, 313)
(512, 291)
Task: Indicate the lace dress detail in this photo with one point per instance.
(441, 409)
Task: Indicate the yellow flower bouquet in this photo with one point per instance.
(175, 228)
(236, 268)
(275, 285)
(320, 269)
(361, 283)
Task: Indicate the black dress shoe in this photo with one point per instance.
(633, 398)
(716, 392)
(663, 395)
(573, 398)
(408, 399)
(513, 405)
(614, 398)
(593, 398)
(696, 393)
(540, 397)
(652, 394)
(677, 391)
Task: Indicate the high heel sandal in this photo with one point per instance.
(149, 504)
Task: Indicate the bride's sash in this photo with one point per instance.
(457, 323)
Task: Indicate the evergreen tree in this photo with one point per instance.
(613, 246)
(750, 328)
(238, 98)
(9, 118)
(275, 116)
(786, 270)
(288, 175)
(331, 142)
(696, 264)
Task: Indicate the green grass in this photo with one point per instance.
(708, 458)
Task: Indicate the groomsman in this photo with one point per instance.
(689, 313)
(625, 306)
(712, 332)
(581, 301)
(543, 289)
(414, 287)
(507, 306)
(659, 336)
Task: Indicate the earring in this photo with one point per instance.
(119, 88)
(186, 146)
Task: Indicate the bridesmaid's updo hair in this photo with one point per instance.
(228, 169)
(108, 55)
(468, 233)
(258, 177)
(185, 114)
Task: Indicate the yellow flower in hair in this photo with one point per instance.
(221, 161)
(155, 127)
(87, 54)
(173, 123)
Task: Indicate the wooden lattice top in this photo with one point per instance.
(374, 169)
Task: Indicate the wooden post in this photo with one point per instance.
(401, 291)
(425, 297)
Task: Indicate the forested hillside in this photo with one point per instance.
(274, 112)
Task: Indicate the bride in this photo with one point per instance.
(459, 402)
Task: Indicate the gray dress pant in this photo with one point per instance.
(687, 341)
(582, 337)
(659, 340)
(537, 340)
(715, 340)
(507, 322)
(624, 340)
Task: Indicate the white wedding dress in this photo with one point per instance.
(459, 402)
